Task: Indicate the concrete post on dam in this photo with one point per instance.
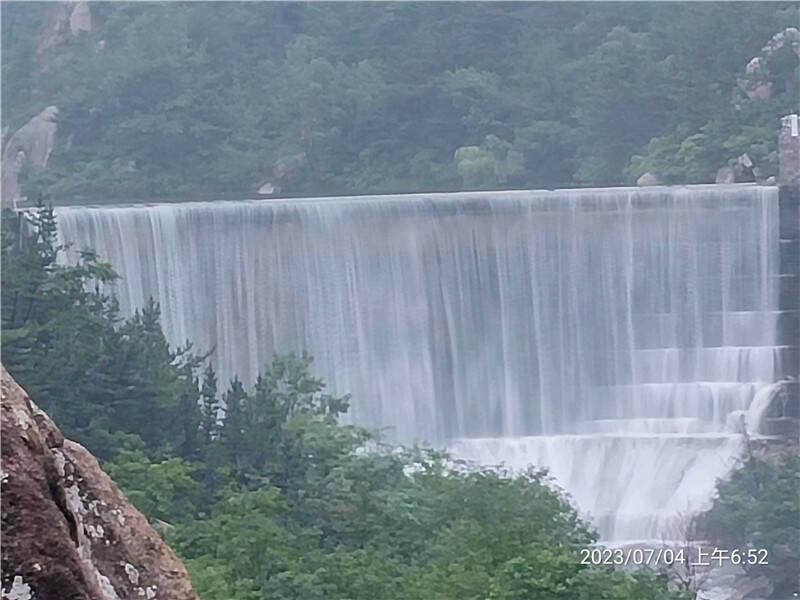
(783, 417)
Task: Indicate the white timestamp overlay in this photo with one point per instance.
(653, 557)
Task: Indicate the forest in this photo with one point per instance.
(188, 99)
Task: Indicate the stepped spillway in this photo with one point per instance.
(621, 337)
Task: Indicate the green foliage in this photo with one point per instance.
(165, 489)
(687, 156)
(280, 419)
(183, 98)
(404, 525)
(105, 382)
(490, 165)
(758, 506)
(315, 509)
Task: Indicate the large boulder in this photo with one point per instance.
(754, 83)
(725, 175)
(36, 138)
(80, 19)
(68, 531)
(648, 179)
(32, 144)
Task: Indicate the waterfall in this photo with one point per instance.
(617, 336)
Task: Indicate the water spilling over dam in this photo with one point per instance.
(617, 336)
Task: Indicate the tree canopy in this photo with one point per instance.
(321, 98)
(758, 508)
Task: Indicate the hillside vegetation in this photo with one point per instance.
(324, 98)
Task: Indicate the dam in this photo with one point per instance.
(624, 338)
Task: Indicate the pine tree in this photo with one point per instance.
(104, 380)
(209, 406)
(231, 432)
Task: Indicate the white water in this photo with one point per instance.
(617, 336)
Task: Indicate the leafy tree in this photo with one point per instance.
(490, 165)
(617, 119)
(406, 526)
(758, 507)
(162, 489)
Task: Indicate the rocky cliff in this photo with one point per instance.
(32, 144)
(68, 531)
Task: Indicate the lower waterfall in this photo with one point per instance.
(617, 336)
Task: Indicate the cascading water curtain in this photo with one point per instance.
(615, 335)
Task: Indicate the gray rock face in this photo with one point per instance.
(63, 21)
(753, 84)
(756, 84)
(745, 161)
(648, 179)
(31, 144)
(267, 188)
(725, 175)
(80, 20)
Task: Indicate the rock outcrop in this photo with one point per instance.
(725, 175)
(771, 71)
(80, 20)
(758, 81)
(32, 144)
(63, 21)
(68, 531)
(649, 179)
